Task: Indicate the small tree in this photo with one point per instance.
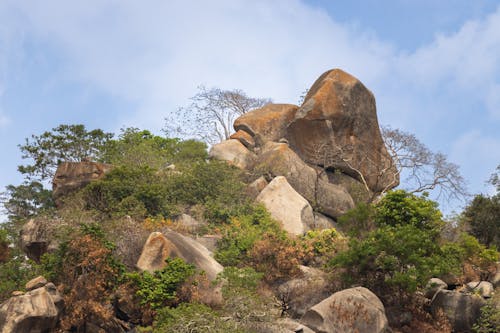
(212, 113)
(483, 217)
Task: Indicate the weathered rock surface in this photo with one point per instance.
(287, 206)
(187, 223)
(234, 152)
(433, 286)
(159, 247)
(254, 188)
(337, 127)
(72, 176)
(268, 123)
(483, 288)
(33, 312)
(323, 222)
(302, 293)
(495, 278)
(462, 310)
(156, 249)
(36, 238)
(36, 283)
(245, 138)
(350, 310)
(278, 159)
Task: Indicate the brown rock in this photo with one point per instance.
(277, 159)
(287, 206)
(159, 247)
(350, 310)
(254, 188)
(268, 123)
(36, 238)
(72, 176)
(234, 153)
(245, 138)
(33, 312)
(337, 127)
(36, 283)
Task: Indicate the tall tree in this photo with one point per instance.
(211, 114)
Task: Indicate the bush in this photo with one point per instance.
(400, 258)
(358, 221)
(483, 217)
(159, 289)
(489, 321)
(240, 235)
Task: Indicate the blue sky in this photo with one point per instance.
(434, 66)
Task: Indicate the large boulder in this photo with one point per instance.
(350, 310)
(483, 288)
(33, 312)
(433, 286)
(171, 244)
(337, 127)
(277, 159)
(268, 123)
(287, 206)
(234, 152)
(72, 176)
(461, 309)
(36, 238)
(300, 294)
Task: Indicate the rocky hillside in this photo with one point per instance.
(291, 225)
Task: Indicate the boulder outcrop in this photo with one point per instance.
(36, 238)
(234, 152)
(72, 176)
(159, 247)
(337, 127)
(277, 159)
(33, 312)
(268, 123)
(287, 206)
(461, 309)
(350, 310)
(483, 288)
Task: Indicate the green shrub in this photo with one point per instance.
(159, 288)
(489, 321)
(239, 236)
(358, 221)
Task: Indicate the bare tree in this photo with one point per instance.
(211, 114)
(422, 169)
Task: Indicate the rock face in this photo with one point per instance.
(337, 127)
(349, 310)
(36, 238)
(433, 286)
(33, 312)
(72, 176)
(483, 288)
(302, 293)
(159, 247)
(268, 123)
(233, 152)
(287, 206)
(278, 159)
(462, 310)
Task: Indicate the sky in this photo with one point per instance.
(433, 66)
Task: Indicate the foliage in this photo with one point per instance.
(65, 143)
(240, 235)
(401, 208)
(482, 215)
(141, 148)
(358, 221)
(27, 200)
(423, 169)
(489, 321)
(212, 113)
(320, 246)
(400, 257)
(158, 289)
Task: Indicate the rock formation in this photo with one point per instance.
(330, 149)
(72, 176)
(350, 310)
